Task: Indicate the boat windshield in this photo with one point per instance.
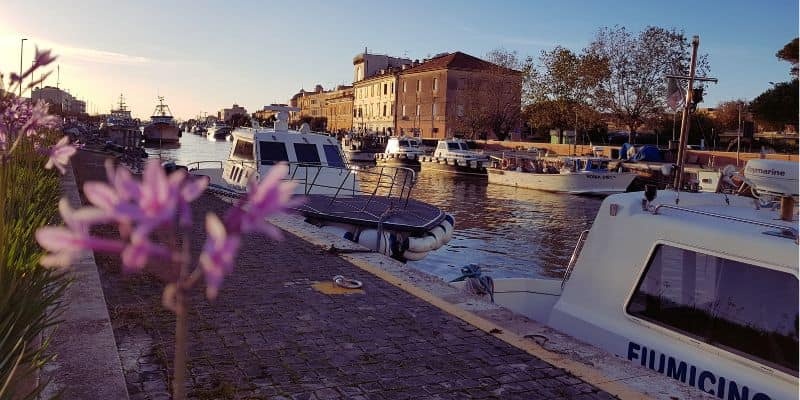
(464, 146)
(404, 143)
(453, 146)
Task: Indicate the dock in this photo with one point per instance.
(281, 330)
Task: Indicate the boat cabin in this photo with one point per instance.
(403, 145)
(315, 161)
(585, 164)
(700, 287)
(456, 149)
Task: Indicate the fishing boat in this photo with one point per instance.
(162, 127)
(453, 155)
(701, 287)
(120, 128)
(576, 175)
(401, 151)
(218, 131)
(368, 205)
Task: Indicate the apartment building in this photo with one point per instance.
(456, 94)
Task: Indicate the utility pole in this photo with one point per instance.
(21, 49)
(739, 136)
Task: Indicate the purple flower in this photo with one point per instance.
(66, 243)
(218, 254)
(268, 197)
(41, 59)
(60, 154)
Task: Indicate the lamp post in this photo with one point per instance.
(21, 48)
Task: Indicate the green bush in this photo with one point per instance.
(30, 295)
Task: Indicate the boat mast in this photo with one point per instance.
(685, 116)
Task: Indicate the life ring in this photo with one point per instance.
(505, 163)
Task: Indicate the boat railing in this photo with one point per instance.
(574, 259)
(392, 183)
(387, 182)
(783, 231)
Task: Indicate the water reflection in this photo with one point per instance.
(510, 232)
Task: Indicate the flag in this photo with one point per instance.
(675, 94)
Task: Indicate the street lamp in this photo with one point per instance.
(21, 48)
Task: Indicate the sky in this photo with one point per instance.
(206, 55)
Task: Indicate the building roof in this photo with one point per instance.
(457, 60)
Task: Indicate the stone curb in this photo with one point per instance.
(87, 363)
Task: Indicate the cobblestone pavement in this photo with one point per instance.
(271, 335)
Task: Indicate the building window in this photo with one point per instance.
(384, 109)
(417, 110)
(392, 87)
(435, 84)
(419, 85)
(433, 109)
(729, 304)
(391, 109)
(404, 86)
(385, 88)
(460, 110)
(404, 110)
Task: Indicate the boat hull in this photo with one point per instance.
(575, 183)
(397, 159)
(161, 132)
(467, 167)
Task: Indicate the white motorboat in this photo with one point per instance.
(402, 151)
(576, 175)
(383, 218)
(218, 131)
(454, 155)
(162, 127)
(701, 287)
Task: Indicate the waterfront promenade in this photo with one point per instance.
(273, 334)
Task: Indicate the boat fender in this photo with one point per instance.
(449, 224)
(423, 244)
(439, 233)
(413, 255)
(369, 238)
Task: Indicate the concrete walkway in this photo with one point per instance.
(276, 331)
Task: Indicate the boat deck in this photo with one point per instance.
(391, 213)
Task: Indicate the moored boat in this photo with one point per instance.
(383, 218)
(218, 131)
(162, 127)
(700, 287)
(401, 151)
(576, 175)
(361, 148)
(453, 155)
(120, 128)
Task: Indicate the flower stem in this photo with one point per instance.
(181, 323)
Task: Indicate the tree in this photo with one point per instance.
(728, 114)
(635, 89)
(777, 107)
(789, 53)
(561, 89)
(512, 60)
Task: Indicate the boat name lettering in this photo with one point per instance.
(592, 176)
(766, 171)
(691, 375)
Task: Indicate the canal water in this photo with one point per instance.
(509, 232)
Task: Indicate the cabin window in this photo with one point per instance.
(272, 152)
(748, 310)
(453, 146)
(403, 143)
(243, 149)
(464, 146)
(442, 146)
(306, 153)
(332, 155)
